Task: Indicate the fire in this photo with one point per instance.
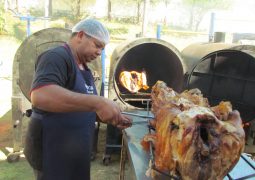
(133, 81)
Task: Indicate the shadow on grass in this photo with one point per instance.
(16, 171)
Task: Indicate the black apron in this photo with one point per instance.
(67, 137)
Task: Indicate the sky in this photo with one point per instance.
(241, 18)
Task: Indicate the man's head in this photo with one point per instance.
(94, 29)
(90, 38)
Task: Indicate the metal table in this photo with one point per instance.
(139, 159)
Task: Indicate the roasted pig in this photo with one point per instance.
(133, 81)
(193, 140)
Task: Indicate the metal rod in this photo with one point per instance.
(247, 162)
(138, 115)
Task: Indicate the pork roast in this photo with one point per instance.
(193, 140)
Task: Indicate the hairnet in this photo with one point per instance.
(94, 29)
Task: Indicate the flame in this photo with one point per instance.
(133, 81)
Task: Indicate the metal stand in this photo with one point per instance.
(95, 141)
(123, 158)
(113, 143)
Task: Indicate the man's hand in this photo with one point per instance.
(126, 122)
(109, 112)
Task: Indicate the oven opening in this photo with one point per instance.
(141, 67)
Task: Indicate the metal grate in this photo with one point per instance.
(136, 97)
(226, 76)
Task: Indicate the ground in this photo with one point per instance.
(5, 131)
(22, 171)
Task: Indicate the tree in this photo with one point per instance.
(75, 8)
(109, 10)
(138, 12)
(12, 4)
(137, 2)
(2, 20)
(198, 8)
(166, 2)
(48, 8)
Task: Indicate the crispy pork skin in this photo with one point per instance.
(192, 140)
(133, 81)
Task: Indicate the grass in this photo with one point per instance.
(16, 171)
(21, 170)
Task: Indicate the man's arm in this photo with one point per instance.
(54, 98)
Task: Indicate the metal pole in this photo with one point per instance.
(103, 72)
(158, 31)
(46, 13)
(28, 25)
(211, 30)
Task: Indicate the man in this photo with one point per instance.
(65, 103)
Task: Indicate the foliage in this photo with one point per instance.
(62, 14)
(67, 16)
(117, 31)
(198, 8)
(2, 20)
(19, 31)
(36, 12)
(209, 4)
(126, 20)
(14, 27)
(153, 2)
(58, 24)
(78, 9)
(116, 28)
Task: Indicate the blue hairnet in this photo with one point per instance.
(94, 29)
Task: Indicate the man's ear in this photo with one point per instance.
(80, 34)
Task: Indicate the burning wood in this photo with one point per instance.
(133, 81)
(193, 140)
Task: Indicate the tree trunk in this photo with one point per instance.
(138, 12)
(145, 17)
(199, 19)
(196, 25)
(165, 15)
(17, 6)
(191, 19)
(6, 5)
(109, 10)
(46, 12)
(77, 9)
(50, 7)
